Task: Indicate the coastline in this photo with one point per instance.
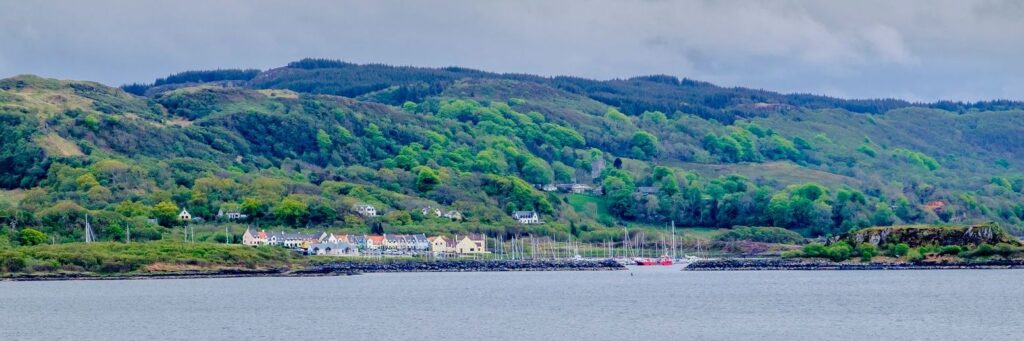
(761, 264)
(342, 269)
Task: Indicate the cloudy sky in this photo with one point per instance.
(917, 50)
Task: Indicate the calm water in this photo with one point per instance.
(652, 304)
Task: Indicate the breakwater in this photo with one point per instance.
(339, 268)
(462, 266)
(803, 264)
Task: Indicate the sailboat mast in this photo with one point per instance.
(674, 239)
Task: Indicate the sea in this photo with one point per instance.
(649, 303)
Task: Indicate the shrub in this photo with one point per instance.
(839, 252)
(914, 255)
(814, 250)
(792, 254)
(898, 250)
(867, 252)
(761, 234)
(30, 236)
(950, 250)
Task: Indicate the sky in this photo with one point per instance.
(917, 50)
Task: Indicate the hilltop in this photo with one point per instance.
(301, 145)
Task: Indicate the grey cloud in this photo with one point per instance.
(921, 50)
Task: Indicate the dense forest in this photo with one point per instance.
(299, 146)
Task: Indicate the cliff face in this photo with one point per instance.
(918, 235)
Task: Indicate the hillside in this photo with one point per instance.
(301, 145)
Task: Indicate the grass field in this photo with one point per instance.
(591, 206)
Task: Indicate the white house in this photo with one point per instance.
(527, 217)
(333, 249)
(184, 215)
(365, 210)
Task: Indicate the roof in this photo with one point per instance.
(935, 205)
(523, 214)
(334, 246)
(647, 189)
(293, 236)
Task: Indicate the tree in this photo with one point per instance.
(645, 143)
(537, 171)
(132, 209)
(166, 212)
(562, 172)
(426, 179)
(323, 140)
(409, 106)
(30, 236)
(290, 210)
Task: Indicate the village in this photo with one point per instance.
(323, 243)
(329, 244)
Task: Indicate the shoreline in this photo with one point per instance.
(342, 269)
(768, 264)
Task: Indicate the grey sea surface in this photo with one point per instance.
(654, 303)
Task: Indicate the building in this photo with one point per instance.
(373, 242)
(333, 249)
(471, 244)
(184, 215)
(365, 210)
(431, 210)
(419, 242)
(338, 238)
(406, 242)
(453, 215)
(231, 215)
(295, 240)
(596, 168)
(580, 188)
(253, 238)
(549, 188)
(527, 217)
(935, 206)
(440, 244)
(646, 190)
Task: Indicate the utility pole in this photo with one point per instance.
(88, 230)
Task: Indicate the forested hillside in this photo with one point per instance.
(300, 145)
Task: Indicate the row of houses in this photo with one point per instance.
(322, 243)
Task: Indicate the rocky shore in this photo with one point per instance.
(343, 268)
(803, 264)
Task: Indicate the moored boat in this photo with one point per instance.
(643, 261)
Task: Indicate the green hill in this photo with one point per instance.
(300, 145)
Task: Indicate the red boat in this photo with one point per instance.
(664, 260)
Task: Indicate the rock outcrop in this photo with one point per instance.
(918, 235)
